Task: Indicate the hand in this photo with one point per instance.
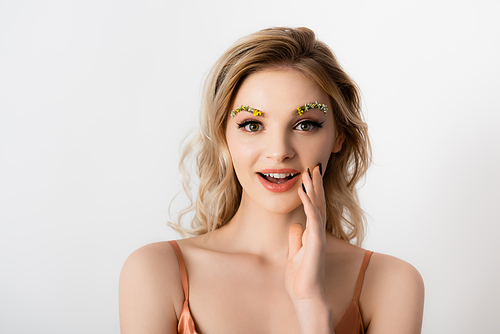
(305, 271)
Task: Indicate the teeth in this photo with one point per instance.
(278, 175)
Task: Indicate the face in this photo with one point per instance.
(272, 145)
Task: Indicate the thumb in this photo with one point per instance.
(294, 239)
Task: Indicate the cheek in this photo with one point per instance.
(244, 156)
(244, 152)
(316, 149)
(311, 155)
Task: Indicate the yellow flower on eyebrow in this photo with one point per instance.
(255, 112)
(300, 110)
(315, 105)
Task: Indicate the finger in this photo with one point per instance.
(294, 239)
(309, 185)
(320, 191)
(306, 202)
(312, 213)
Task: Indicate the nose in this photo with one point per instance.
(279, 146)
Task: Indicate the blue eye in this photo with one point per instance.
(250, 126)
(308, 126)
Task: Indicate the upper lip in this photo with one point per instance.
(278, 171)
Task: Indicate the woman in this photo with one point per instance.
(277, 221)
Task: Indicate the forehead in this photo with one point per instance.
(278, 90)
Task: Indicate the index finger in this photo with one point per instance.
(320, 191)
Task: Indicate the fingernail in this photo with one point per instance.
(304, 188)
(310, 176)
(320, 168)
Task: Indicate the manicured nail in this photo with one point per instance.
(304, 188)
(320, 169)
(310, 176)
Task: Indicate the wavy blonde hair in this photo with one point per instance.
(219, 192)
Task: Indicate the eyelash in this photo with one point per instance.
(315, 125)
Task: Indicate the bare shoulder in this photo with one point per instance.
(388, 274)
(150, 290)
(393, 296)
(388, 267)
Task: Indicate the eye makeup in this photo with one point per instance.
(308, 125)
(251, 125)
(300, 110)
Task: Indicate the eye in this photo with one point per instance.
(305, 126)
(308, 125)
(250, 126)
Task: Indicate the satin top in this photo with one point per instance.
(350, 323)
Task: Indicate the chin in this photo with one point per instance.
(283, 205)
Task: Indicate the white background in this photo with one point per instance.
(96, 96)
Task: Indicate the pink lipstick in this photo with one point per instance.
(278, 180)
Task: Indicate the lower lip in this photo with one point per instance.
(278, 187)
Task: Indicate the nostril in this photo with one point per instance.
(280, 153)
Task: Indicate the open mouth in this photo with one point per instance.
(278, 177)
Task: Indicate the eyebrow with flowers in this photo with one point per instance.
(300, 110)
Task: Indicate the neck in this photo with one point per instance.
(257, 231)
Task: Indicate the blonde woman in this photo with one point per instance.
(277, 230)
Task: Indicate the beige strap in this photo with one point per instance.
(182, 267)
(359, 282)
